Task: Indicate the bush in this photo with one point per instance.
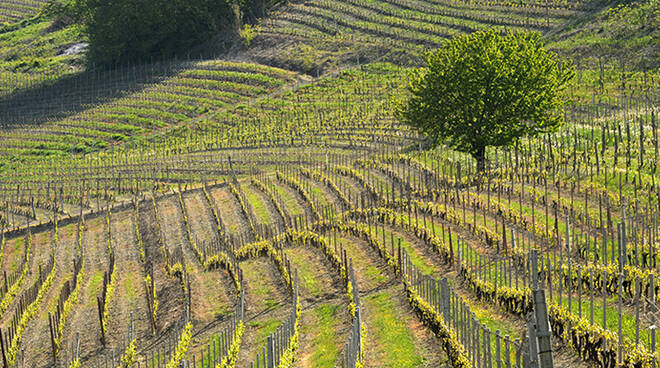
(128, 30)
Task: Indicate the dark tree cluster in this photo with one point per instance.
(132, 30)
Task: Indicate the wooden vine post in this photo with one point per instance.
(542, 332)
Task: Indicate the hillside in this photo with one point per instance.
(258, 204)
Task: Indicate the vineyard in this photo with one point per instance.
(263, 206)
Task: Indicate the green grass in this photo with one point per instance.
(290, 202)
(416, 257)
(394, 342)
(325, 342)
(306, 270)
(262, 330)
(129, 286)
(255, 278)
(361, 262)
(33, 49)
(257, 204)
(95, 283)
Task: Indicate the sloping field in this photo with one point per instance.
(236, 212)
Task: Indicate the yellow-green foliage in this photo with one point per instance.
(351, 306)
(68, 306)
(229, 360)
(176, 270)
(129, 355)
(14, 289)
(29, 312)
(455, 351)
(154, 307)
(110, 291)
(289, 355)
(182, 347)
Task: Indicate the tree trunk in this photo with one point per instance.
(480, 156)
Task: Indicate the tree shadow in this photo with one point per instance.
(75, 93)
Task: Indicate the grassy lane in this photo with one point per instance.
(290, 195)
(259, 204)
(322, 335)
(325, 320)
(267, 304)
(291, 203)
(230, 211)
(395, 337)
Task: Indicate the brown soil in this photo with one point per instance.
(130, 294)
(84, 319)
(229, 210)
(169, 215)
(212, 292)
(168, 289)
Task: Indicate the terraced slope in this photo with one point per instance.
(12, 11)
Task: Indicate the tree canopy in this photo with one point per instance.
(123, 30)
(487, 88)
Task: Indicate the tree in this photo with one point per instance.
(487, 88)
(128, 30)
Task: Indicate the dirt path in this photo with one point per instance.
(213, 295)
(84, 316)
(229, 210)
(169, 216)
(168, 289)
(130, 294)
